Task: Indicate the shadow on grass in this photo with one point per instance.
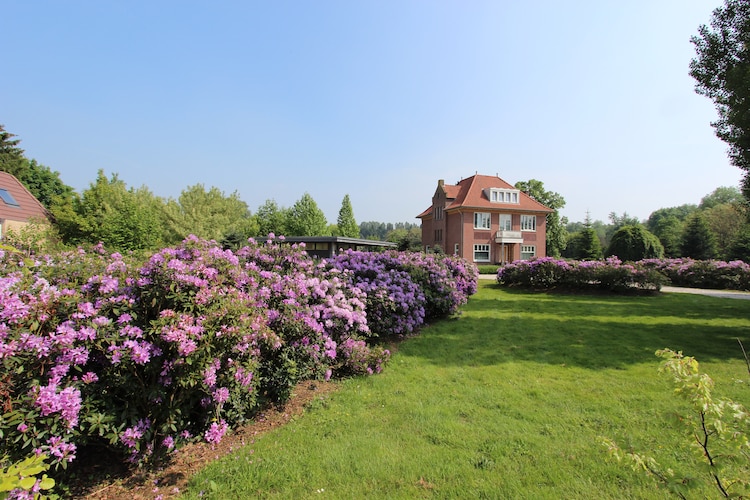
(589, 331)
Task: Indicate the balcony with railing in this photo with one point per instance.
(509, 237)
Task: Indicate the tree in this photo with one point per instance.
(589, 246)
(633, 243)
(43, 183)
(556, 233)
(722, 72)
(306, 219)
(720, 196)
(346, 225)
(406, 239)
(740, 248)
(272, 219)
(698, 242)
(669, 230)
(108, 212)
(208, 214)
(11, 156)
(725, 222)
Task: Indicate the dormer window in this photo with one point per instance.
(498, 195)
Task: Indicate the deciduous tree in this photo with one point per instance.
(721, 69)
(556, 233)
(110, 213)
(209, 214)
(306, 219)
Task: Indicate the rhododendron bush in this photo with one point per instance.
(99, 349)
(612, 274)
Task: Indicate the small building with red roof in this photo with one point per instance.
(18, 207)
(485, 220)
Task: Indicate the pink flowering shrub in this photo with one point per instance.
(715, 274)
(107, 350)
(549, 272)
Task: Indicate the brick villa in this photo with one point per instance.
(485, 220)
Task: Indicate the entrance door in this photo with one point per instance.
(506, 253)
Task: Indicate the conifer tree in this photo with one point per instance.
(698, 242)
(347, 225)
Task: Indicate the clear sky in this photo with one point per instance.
(377, 99)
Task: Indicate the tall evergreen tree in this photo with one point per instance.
(11, 155)
(590, 248)
(698, 242)
(306, 219)
(346, 225)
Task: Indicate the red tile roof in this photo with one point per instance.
(28, 206)
(469, 193)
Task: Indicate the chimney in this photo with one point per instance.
(441, 183)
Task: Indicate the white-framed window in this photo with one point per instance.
(481, 253)
(498, 195)
(481, 220)
(427, 249)
(528, 223)
(528, 252)
(505, 222)
(455, 249)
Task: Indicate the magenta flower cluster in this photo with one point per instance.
(101, 348)
(610, 274)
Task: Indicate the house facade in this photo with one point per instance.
(485, 220)
(18, 207)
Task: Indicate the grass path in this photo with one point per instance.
(506, 401)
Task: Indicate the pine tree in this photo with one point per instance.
(347, 226)
(590, 247)
(698, 242)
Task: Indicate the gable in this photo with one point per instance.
(16, 202)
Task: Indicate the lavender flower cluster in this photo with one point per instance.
(406, 289)
(100, 348)
(610, 274)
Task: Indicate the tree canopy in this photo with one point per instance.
(306, 219)
(110, 213)
(721, 69)
(556, 233)
(633, 243)
(208, 214)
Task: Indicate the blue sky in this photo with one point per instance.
(375, 99)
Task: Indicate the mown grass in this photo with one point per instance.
(507, 401)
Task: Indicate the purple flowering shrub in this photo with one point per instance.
(549, 272)
(102, 349)
(405, 289)
(394, 303)
(715, 274)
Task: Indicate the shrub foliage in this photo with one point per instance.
(140, 357)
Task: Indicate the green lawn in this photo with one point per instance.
(507, 401)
